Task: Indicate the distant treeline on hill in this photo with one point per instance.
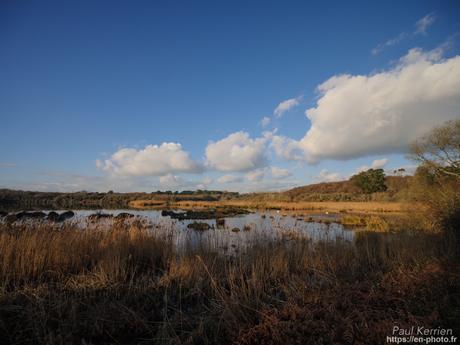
(396, 188)
(388, 188)
(15, 200)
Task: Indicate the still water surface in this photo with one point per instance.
(237, 233)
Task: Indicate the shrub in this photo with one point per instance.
(370, 181)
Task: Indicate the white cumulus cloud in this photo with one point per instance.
(287, 148)
(274, 173)
(153, 160)
(229, 179)
(359, 115)
(280, 172)
(328, 176)
(376, 164)
(379, 163)
(285, 106)
(207, 180)
(255, 175)
(171, 181)
(238, 152)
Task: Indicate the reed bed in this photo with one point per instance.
(128, 284)
(370, 207)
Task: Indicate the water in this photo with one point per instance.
(251, 227)
(238, 232)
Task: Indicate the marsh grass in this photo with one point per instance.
(352, 220)
(127, 284)
(368, 207)
(368, 223)
(377, 224)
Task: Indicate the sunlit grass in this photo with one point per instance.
(129, 283)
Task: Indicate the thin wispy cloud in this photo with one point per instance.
(424, 23)
(229, 179)
(280, 172)
(7, 165)
(265, 121)
(391, 42)
(286, 105)
(421, 27)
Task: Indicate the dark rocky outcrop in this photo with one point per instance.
(172, 214)
(66, 215)
(98, 216)
(199, 226)
(53, 216)
(11, 218)
(124, 215)
(30, 215)
(220, 212)
(37, 215)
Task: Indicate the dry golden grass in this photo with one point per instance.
(367, 223)
(330, 206)
(378, 224)
(352, 220)
(129, 285)
(47, 252)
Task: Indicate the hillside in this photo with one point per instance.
(16, 199)
(344, 190)
(397, 189)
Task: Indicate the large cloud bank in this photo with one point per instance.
(359, 115)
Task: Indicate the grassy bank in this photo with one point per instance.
(126, 285)
(330, 206)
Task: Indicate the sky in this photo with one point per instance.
(230, 95)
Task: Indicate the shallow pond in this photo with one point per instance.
(235, 234)
(230, 234)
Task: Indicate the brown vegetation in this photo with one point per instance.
(332, 191)
(330, 206)
(25, 200)
(396, 187)
(127, 284)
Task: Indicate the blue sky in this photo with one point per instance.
(92, 92)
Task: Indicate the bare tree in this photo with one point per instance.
(439, 150)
